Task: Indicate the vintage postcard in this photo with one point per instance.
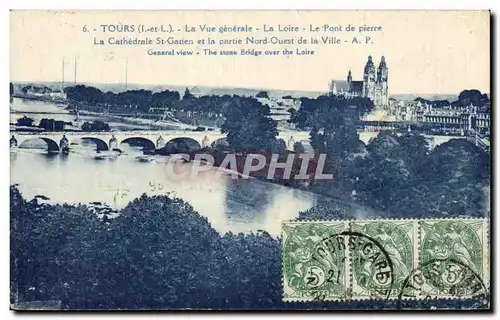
(250, 160)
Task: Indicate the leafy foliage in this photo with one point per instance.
(25, 121)
(249, 127)
(330, 111)
(51, 124)
(465, 98)
(142, 100)
(474, 97)
(298, 147)
(36, 89)
(158, 254)
(96, 125)
(330, 212)
(262, 94)
(400, 175)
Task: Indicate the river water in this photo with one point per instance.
(230, 205)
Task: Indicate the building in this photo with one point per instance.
(408, 110)
(464, 118)
(373, 86)
(467, 119)
(279, 110)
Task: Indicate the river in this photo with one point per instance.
(230, 205)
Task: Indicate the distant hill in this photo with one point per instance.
(431, 96)
(341, 84)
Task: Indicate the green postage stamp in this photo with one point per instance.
(385, 259)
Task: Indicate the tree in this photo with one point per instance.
(298, 147)
(81, 93)
(248, 126)
(187, 95)
(474, 97)
(165, 99)
(262, 94)
(400, 175)
(434, 103)
(330, 212)
(46, 262)
(465, 98)
(51, 125)
(96, 125)
(25, 122)
(455, 175)
(325, 109)
(110, 98)
(158, 253)
(251, 271)
(280, 146)
(170, 249)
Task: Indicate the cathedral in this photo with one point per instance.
(373, 86)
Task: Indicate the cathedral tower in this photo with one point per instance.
(374, 85)
(369, 79)
(382, 81)
(333, 88)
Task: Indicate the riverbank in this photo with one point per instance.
(42, 98)
(151, 124)
(304, 185)
(35, 107)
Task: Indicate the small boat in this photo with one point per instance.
(105, 155)
(149, 152)
(145, 158)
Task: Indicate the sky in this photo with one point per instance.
(431, 52)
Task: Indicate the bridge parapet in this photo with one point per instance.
(104, 140)
(202, 137)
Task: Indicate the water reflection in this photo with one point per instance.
(230, 205)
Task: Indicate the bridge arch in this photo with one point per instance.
(101, 145)
(182, 144)
(37, 143)
(145, 143)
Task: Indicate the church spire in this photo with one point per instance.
(369, 66)
(349, 77)
(382, 73)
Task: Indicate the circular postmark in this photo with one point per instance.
(451, 267)
(395, 237)
(372, 269)
(443, 278)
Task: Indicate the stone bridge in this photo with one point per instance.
(175, 139)
(149, 140)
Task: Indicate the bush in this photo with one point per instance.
(158, 254)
